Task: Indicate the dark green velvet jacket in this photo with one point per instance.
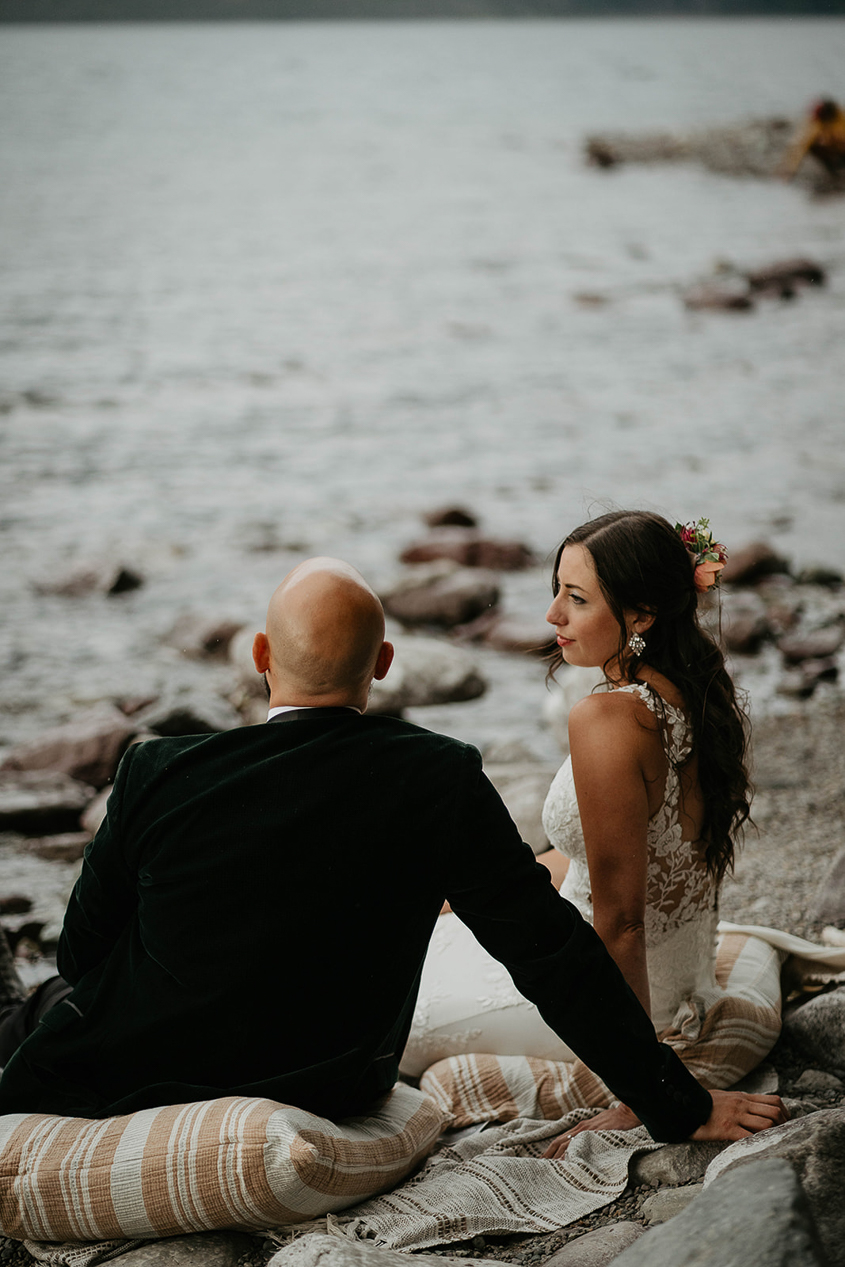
(253, 916)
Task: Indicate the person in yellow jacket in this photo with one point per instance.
(823, 136)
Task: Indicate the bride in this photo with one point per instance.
(642, 818)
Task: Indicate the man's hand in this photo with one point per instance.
(736, 1115)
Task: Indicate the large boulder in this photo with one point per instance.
(442, 595)
(426, 671)
(41, 802)
(817, 1029)
(470, 549)
(450, 516)
(203, 637)
(88, 748)
(817, 644)
(755, 1218)
(68, 846)
(814, 1148)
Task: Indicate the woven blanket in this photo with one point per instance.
(494, 1183)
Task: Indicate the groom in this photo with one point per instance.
(253, 915)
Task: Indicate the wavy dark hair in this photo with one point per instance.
(642, 565)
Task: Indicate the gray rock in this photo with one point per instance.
(745, 622)
(69, 846)
(760, 1081)
(442, 596)
(188, 712)
(830, 898)
(201, 637)
(425, 671)
(88, 748)
(318, 1250)
(818, 644)
(470, 549)
(668, 1202)
(520, 635)
(759, 1218)
(818, 1029)
(817, 1080)
(202, 1249)
(40, 802)
(523, 787)
(598, 1248)
(675, 1164)
(97, 577)
(814, 1146)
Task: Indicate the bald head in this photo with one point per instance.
(325, 637)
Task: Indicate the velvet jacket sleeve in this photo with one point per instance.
(104, 897)
(558, 961)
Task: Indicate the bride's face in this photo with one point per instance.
(587, 630)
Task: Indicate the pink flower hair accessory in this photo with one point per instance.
(708, 557)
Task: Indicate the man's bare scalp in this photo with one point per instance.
(325, 636)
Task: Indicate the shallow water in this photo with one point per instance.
(271, 290)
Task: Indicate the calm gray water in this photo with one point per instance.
(293, 284)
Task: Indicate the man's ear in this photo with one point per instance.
(384, 661)
(261, 653)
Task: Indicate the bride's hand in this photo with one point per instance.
(736, 1115)
(619, 1119)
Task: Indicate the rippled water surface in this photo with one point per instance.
(277, 289)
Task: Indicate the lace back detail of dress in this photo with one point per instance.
(679, 886)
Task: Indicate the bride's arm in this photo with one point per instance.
(605, 740)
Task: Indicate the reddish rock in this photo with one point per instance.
(448, 600)
(68, 847)
(450, 516)
(752, 563)
(88, 748)
(469, 549)
(786, 274)
(717, 299)
(818, 645)
(41, 802)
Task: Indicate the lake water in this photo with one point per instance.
(271, 290)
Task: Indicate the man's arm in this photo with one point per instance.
(103, 897)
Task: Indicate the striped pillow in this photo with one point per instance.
(228, 1163)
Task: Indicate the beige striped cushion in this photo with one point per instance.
(228, 1163)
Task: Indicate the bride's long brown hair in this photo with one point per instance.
(642, 565)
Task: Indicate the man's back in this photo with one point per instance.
(254, 915)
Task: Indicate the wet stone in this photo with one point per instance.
(668, 1202)
(41, 802)
(66, 847)
(88, 748)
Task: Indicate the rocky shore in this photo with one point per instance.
(785, 629)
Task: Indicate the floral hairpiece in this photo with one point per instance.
(708, 556)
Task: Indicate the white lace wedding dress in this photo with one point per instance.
(468, 1003)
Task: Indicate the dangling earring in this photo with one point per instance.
(636, 642)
